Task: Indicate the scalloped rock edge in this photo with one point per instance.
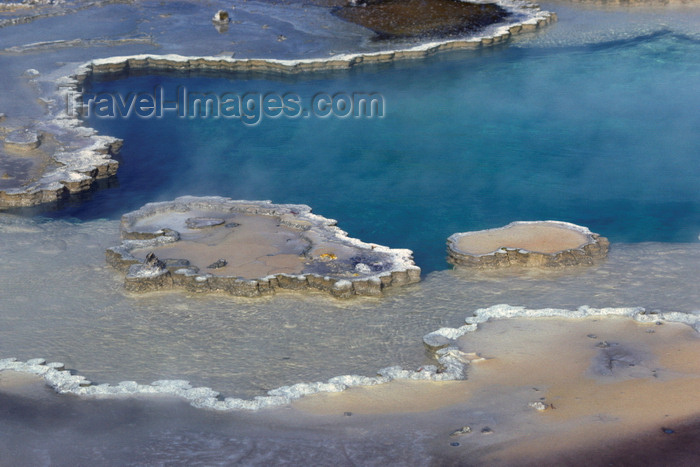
(90, 157)
(298, 216)
(451, 364)
(595, 249)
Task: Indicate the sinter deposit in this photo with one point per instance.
(250, 248)
(532, 244)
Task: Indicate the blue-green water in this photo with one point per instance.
(606, 136)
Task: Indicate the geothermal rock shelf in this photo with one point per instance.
(530, 244)
(250, 248)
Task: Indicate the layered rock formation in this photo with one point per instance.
(250, 248)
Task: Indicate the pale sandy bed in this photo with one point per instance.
(594, 418)
(555, 361)
(12, 382)
(23, 385)
(258, 246)
(542, 238)
(593, 407)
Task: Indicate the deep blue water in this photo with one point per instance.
(606, 136)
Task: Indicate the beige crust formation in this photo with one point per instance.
(250, 248)
(527, 244)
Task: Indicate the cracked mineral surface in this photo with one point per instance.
(251, 248)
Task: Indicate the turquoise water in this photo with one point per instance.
(606, 136)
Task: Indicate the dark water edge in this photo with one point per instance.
(674, 444)
(50, 429)
(44, 428)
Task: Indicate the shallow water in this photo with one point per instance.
(59, 300)
(578, 132)
(62, 302)
(601, 135)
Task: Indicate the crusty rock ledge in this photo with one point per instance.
(78, 158)
(71, 156)
(451, 363)
(527, 18)
(87, 156)
(250, 248)
(158, 63)
(527, 244)
(447, 337)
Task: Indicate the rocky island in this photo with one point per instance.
(250, 248)
(529, 244)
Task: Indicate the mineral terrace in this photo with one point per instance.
(529, 244)
(250, 248)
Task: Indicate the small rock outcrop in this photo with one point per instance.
(527, 244)
(250, 248)
(22, 140)
(221, 16)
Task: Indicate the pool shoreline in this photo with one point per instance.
(481, 419)
(94, 160)
(451, 362)
(403, 415)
